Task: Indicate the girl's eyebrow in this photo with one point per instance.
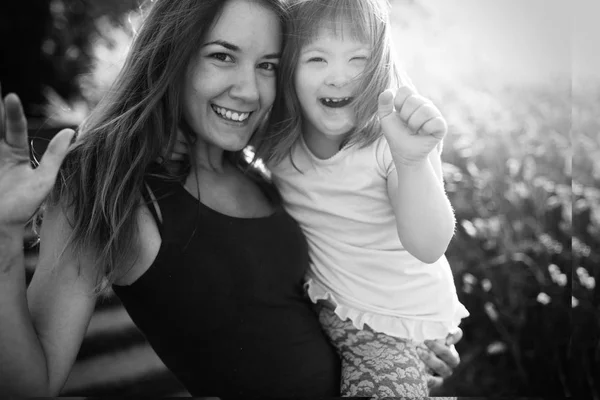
(233, 47)
(324, 50)
(314, 48)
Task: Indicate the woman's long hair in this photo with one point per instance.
(103, 175)
(364, 20)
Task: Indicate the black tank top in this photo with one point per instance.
(223, 304)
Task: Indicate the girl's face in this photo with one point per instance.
(325, 82)
(230, 85)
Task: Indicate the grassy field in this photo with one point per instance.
(523, 181)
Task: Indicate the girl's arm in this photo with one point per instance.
(43, 326)
(424, 216)
(414, 129)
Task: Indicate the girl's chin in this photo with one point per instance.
(337, 132)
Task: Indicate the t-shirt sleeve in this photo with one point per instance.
(383, 156)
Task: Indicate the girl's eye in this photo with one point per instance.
(269, 66)
(222, 57)
(359, 58)
(316, 59)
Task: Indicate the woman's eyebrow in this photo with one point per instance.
(227, 45)
(233, 47)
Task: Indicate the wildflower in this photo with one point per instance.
(589, 282)
(574, 302)
(469, 279)
(561, 280)
(468, 289)
(582, 273)
(543, 298)
(553, 269)
(486, 284)
(469, 227)
(490, 310)
(496, 348)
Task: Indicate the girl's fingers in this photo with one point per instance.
(435, 127)
(410, 106)
(424, 113)
(16, 124)
(54, 155)
(402, 95)
(385, 104)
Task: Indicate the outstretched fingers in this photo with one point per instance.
(54, 155)
(15, 122)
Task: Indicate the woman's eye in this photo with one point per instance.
(269, 66)
(222, 57)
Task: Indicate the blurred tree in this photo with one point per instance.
(48, 43)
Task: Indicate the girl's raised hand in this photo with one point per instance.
(412, 124)
(24, 188)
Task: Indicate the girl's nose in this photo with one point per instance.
(337, 77)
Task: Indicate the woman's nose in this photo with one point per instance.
(246, 85)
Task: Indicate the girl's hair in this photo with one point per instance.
(102, 177)
(365, 20)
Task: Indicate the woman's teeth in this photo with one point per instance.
(231, 115)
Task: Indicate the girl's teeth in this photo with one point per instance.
(336, 100)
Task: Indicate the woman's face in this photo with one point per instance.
(230, 85)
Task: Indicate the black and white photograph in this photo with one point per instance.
(300, 199)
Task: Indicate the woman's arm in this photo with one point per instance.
(48, 320)
(40, 329)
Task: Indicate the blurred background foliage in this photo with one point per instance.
(521, 163)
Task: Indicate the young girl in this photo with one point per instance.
(359, 167)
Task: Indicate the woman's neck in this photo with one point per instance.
(208, 157)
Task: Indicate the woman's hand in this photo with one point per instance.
(24, 188)
(442, 358)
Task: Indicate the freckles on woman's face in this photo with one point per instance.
(230, 85)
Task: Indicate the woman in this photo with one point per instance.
(205, 260)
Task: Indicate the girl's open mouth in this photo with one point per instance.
(336, 102)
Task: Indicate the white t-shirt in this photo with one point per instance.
(357, 260)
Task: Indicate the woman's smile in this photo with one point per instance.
(231, 115)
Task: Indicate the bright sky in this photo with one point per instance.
(514, 41)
